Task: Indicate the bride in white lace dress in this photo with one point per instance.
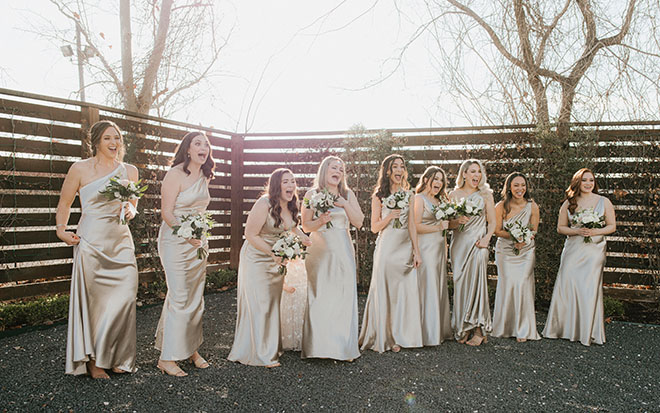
(293, 305)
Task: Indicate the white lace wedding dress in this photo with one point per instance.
(293, 306)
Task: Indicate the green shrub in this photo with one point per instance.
(613, 307)
(220, 278)
(34, 312)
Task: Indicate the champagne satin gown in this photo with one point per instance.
(104, 284)
(514, 314)
(432, 280)
(257, 338)
(576, 310)
(179, 332)
(392, 314)
(331, 320)
(469, 264)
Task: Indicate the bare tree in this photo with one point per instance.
(535, 61)
(168, 50)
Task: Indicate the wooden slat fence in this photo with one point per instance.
(41, 136)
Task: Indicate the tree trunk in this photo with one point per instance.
(128, 83)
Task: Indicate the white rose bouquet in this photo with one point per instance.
(124, 190)
(289, 247)
(196, 226)
(519, 234)
(467, 208)
(588, 218)
(398, 200)
(444, 211)
(321, 202)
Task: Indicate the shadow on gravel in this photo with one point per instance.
(546, 375)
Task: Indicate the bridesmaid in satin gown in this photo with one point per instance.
(330, 329)
(469, 256)
(258, 338)
(514, 314)
(432, 272)
(184, 190)
(392, 315)
(101, 331)
(576, 309)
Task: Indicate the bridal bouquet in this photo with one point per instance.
(321, 202)
(444, 211)
(467, 208)
(195, 226)
(289, 247)
(519, 234)
(398, 200)
(588, 218)
(124, 190)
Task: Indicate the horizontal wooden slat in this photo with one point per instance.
(32, 201)
(30, 290)
(34, 110)
(39, 129)
(34, 165)
(23, 145)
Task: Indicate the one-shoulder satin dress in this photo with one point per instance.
(514, 314)
(392, 314)
(257, 337)
(104, 284)
(330, 329)
(576, 310)
(179, 331)
(469, 264)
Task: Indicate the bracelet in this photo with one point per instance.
(60, 225)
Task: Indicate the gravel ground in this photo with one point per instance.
(546, 375)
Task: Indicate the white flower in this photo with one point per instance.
(390, 203)
(288, 251)
(117, 194)
(186, 232)
(401, 204)
(124, 182)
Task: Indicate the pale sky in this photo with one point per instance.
(310, 82)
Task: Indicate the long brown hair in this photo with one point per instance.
(573, 190)
(507, 194)
(428, 176)
(274, 191)
(96, 133)
(382, 188)
(181, 154)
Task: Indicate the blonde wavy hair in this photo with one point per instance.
(483, 186)
(320, 181)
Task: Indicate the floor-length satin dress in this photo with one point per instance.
(392, 314)
(514, 314)
(104, 284)
(257, 338)
(179, 332)
(576, 310)
(469, 265)
(293, 305)
(432, 279)
(330, 329)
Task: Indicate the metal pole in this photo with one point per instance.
(79, 53)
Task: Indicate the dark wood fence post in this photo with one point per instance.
(88, 116)
(236, 220)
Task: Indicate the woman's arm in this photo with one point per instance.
(255, 221)
(563, 226)
(352, 208)
(535, 218)
(499, 221)
(378, 224)
(169, 190)
(70, 187)
(412, 231)
(490, 217)
(418, 213)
